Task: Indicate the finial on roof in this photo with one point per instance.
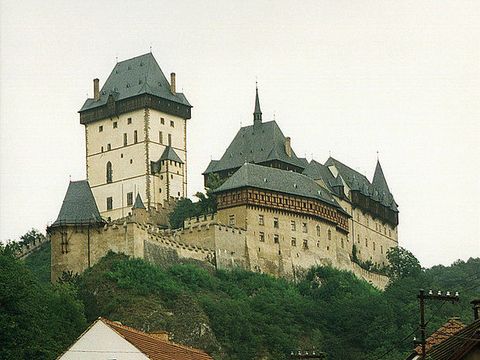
(150, 49)
(257, 114)
(378, 156)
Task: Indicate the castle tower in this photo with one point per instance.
(130, 123)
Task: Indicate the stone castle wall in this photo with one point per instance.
(204, 240)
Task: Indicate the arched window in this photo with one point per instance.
(135, 136)
(318, 230)
(109, 172)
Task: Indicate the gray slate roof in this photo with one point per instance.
(138, 203)
(170, 154)
(379, 181)
(136, 76)
(78, 206)
(377, 191)
(256, 144)
(287, 182)
(318, 171)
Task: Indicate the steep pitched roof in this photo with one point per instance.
(377, 191)
(256, 144)
(379, 181)
(318, 171)
(154, 347)
(78, 206)
(348, 174)
(138, 203)
(136, 76)
(287, 182)
(170, 154)
(457, 344)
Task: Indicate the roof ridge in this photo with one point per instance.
(112, 324)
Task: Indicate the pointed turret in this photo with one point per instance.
(138, 203)
(257, 114)
(379, 182)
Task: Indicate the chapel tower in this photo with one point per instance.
(136, 138)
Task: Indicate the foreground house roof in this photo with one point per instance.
(79, 206)
(106, 339)
(458, 345)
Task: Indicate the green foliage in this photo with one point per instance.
(33, 237)
(402, 263)
(38, 320)
(242, 315)
(206, 204)
(39, 262)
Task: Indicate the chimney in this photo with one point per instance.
(288, 146)
(96, 90)
(162, 335)
(476, 308)
(173, 86)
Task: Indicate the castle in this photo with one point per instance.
(276, 212)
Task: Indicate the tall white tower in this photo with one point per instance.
(136, 138)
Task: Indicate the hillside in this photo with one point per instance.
(242, 315)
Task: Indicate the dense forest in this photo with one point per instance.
(231, 314)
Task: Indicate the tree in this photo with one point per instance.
(184, 209)
(402, 264)
(33, 236)
(38, 320)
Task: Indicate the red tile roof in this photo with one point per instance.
(153, 346)
(451, 327)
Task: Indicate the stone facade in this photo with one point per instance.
(206, 240)
(277, 213)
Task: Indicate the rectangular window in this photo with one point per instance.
(162, 121)
(125, 139)
(109, 147)
(305, 244)
(374, 246)
(318, 230)
(160, 137)
(172, 124)
(275, 223)
(109, 203)
(102, 149)
(276, 239)
(169, 139)
(135, 136)
(129, 198)
(100, 128)
(129, 121)
(293, 225)
(381, 249)
(261, 220)
(262, 236)
(294, 241)
(304, 227)
(115, 124)
(366, 242)
(231, 220)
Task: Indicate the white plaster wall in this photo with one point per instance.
(100, 342)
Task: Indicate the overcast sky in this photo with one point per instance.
(348, 78)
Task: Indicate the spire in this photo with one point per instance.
(138, 203)
(257, 114)
(379, 181)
